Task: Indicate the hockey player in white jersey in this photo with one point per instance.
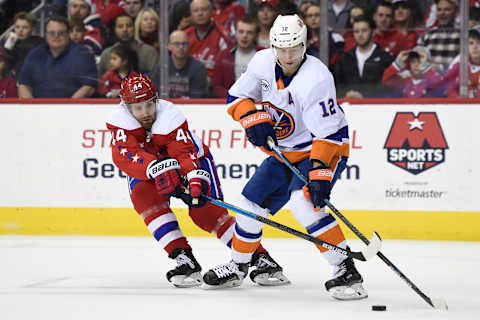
(300, 111)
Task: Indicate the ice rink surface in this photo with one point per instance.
(124, 278)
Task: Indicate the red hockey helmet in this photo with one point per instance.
(137, 88)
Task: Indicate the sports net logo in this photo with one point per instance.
(416, 143)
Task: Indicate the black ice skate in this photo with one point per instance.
(227, 275)
(267, 272)
(347, 282)
(187, 272)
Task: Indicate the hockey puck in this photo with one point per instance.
(379, 308)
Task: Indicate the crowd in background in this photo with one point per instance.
(377, 48)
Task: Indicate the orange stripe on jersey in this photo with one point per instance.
(326, 151)
(280, 84)
(296, 156)
(333, 236)
(240, 108)
(291, 156)
(243, 246)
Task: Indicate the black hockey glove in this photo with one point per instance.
(258, 126)
(319, 185)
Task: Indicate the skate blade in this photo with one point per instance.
(353, 292)
(194, 280)
(267, 280)
(230, 284)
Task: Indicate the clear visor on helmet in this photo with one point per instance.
(143, 107)
(289, 54)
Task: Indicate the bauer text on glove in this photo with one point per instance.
(258, 126)
(165, 172)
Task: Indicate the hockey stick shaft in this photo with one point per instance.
(326, 245)
(350, 225)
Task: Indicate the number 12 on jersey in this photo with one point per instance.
(330, 109)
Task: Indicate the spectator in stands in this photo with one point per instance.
(186, 75)
(406, 22)
(179, 15)
(9, 8)
(338, 14)
(146, 27)
(347, 33)
(335, 41)
(124, 33)
(206, 37)
(59, 68)
(389, 39)
(8, 87)
(95, 32)
(231, 63)
(474, 18)
(443, 41)
(266, 15)
(59, 7)
(358, 72)
(77, 31)
(124, 61)
(452, 76)
(108, 10)
(21, 40)
(430, 18)
(303, 7)
(133, 7)
(412, 73)
(226, 13)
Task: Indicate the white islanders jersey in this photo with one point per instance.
(304, 111)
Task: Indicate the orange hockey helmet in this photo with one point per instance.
(137, 88)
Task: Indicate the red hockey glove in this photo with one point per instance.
(198, 184)
(166, 174)
(318, 187)
(258, 126)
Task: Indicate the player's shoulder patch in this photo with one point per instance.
(169, 117)
(122, 118)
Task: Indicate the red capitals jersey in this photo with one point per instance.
(8, 88)
(111, 81)
(206, 49)
(108, 10)
(413, 87)
(392, 41)
(452, 78)
(134, 148)
(228, 17)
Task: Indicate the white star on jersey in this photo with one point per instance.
(416, 124)
(123, 151)
(135, 158)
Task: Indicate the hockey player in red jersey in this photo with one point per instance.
(152, 144)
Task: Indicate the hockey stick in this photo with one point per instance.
(368, 253)
(434, 303)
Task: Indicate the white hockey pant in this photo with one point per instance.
(314, 222)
